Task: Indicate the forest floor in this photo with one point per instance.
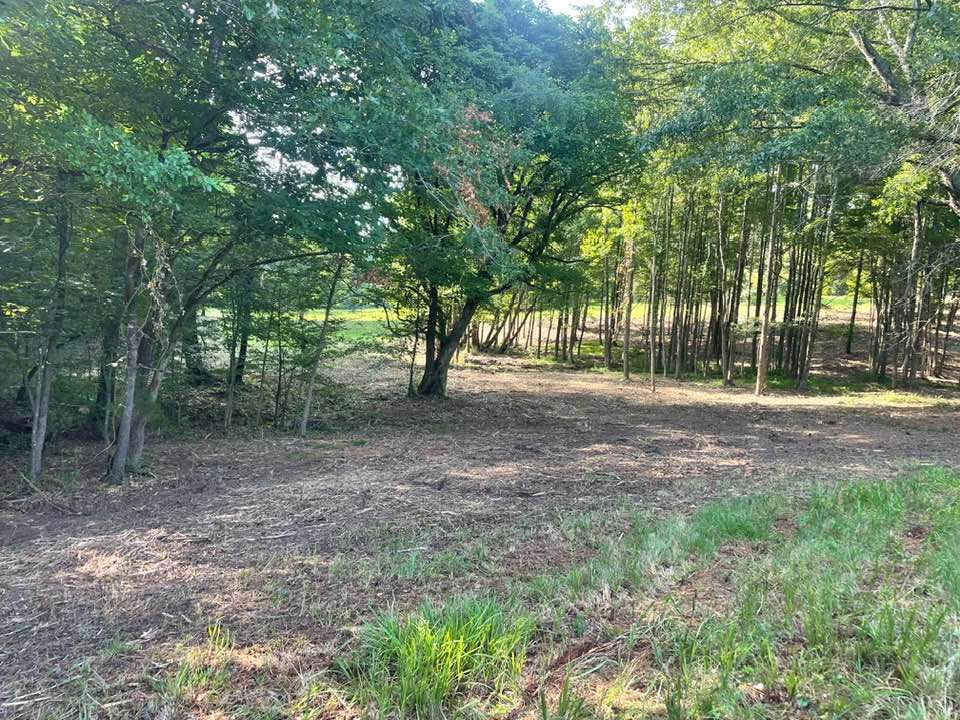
(292, 544)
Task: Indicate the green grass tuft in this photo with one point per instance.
(569, 705)
(729, 520)
(420, 665)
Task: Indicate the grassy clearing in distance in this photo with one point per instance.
(844, 303)
(358, 324)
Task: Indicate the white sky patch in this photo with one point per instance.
(568, 7)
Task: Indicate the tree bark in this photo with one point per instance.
(55, 318)
(118, 463)
(433, 382)
(652, 316)
(314, 371)
(197, 372)
(773, 272)
(721, 295)
(856, 298)
(629, 261)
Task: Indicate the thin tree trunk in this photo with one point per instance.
(231, 370)
(773, 251)
(411, 388)
(652, 315)
(540, 329)
(278, 390)
(118, 463)
(721, 295)
(856, 298)
(55, 318)
(315, 370)
(263, 368)
(628, 305)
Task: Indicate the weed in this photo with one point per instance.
(118, 646)
(569, 705)
(202, 669)
(578, 627)
(419, 665)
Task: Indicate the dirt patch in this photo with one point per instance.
(913, 540)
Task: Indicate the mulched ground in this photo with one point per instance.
(251, 531)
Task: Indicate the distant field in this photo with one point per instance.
(368, 323)
(359, 323)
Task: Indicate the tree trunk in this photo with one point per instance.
(244, 317)
(197, 373)
(118, 463)
(147, 390)
(733, 313)
(101, 413)
(433, 383)
(856, 298)
(153, 358)
(721, 295)
(942, 357)
(263, 366)
(650, 323)
(231, 373)
(628, 260)
(773, 272)
(411, 388)
(540, 329)
(41, 403)
(314, 371)
(911, 318)
(278, 390)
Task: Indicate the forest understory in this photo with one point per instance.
(287, 546)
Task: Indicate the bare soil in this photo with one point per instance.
(283, 539)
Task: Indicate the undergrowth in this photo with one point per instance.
(844, 617)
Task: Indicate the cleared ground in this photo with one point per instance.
(291, 544)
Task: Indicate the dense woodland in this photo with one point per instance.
(189, 188)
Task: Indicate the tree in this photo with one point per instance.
(536, 133)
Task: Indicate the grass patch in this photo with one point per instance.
(652, 553)
(204, 669)
(419, 666)
(837, 619)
